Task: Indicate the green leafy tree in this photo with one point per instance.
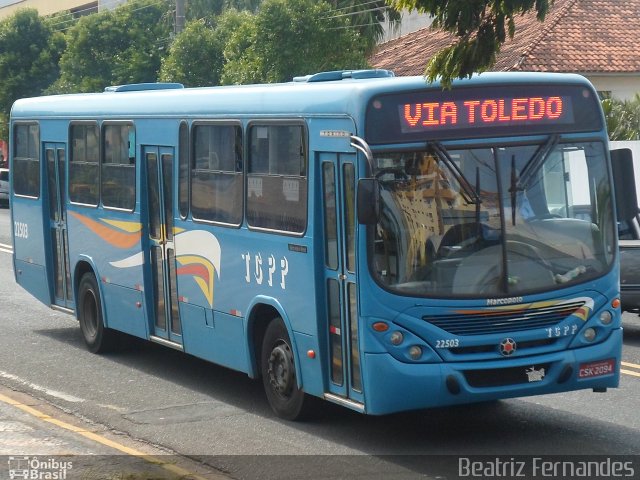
(480, 28)
(201, 9)
(113, 47)
(367, 17)
(29, 53)
(287, 38)
(196, 57)
(623, 118)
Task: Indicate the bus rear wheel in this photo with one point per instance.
(97, 338)
(279, 372)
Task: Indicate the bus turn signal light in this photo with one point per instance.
(380, 327)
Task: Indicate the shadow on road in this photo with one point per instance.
(405, 440)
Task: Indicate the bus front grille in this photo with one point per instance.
(503, 321)
(499, 377)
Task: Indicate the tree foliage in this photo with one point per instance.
(623, 118)
(204, 9)
(368, 18)
(287, 38)
(480, 28)
(196, 57)
(29, 55)
(113, 47)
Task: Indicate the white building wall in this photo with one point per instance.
(411, 21)
(622, 87)
(49, 7)
(44, 7)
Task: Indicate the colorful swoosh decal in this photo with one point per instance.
(582, 312)
(197, 252)
(131, 227)
(115, 233)
(132, 261)
(199, 255)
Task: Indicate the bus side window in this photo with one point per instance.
(183, 175)
(118, 175)
(277, 179)
(26, 160)
(216, 175)
(83, 164)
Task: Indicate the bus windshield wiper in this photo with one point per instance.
(468, 192)
(533, 165)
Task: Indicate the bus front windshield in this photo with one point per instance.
(492, 221)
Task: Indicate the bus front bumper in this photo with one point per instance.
(396, 386)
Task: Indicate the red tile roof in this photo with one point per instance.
(582, 36)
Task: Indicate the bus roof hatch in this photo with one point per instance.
(135, 87)
(344, 74)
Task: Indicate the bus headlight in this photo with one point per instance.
(415, 352)
(589, 334)
(606, 317)
(396, 338)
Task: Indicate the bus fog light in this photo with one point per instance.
(415, 352)
(606, 317)
(589, 334)
(396, 338)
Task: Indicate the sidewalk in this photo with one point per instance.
(37, 440)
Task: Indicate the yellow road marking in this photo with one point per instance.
(99, 438)
(630, 372)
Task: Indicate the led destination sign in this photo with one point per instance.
(509, 110)
(485, 112)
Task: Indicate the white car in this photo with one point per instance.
(4, 186)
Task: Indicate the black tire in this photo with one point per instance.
(97, 338)
(279, 373)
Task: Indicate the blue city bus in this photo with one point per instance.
(376, 241)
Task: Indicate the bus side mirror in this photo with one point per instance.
(624, 181)
(368, 201)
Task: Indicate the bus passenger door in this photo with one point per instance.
(159, 163)
(55, 154)
(338, 189)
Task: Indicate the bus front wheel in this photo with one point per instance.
(97, 338)
(279, 373)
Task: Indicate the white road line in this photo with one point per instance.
(33, 386)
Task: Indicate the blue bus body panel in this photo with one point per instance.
(30, 259)
(33, 278)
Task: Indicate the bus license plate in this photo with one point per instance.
(597, 369)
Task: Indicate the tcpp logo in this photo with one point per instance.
(507, 347)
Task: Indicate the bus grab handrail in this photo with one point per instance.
(361, 145)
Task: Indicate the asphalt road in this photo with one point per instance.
(194, 408)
